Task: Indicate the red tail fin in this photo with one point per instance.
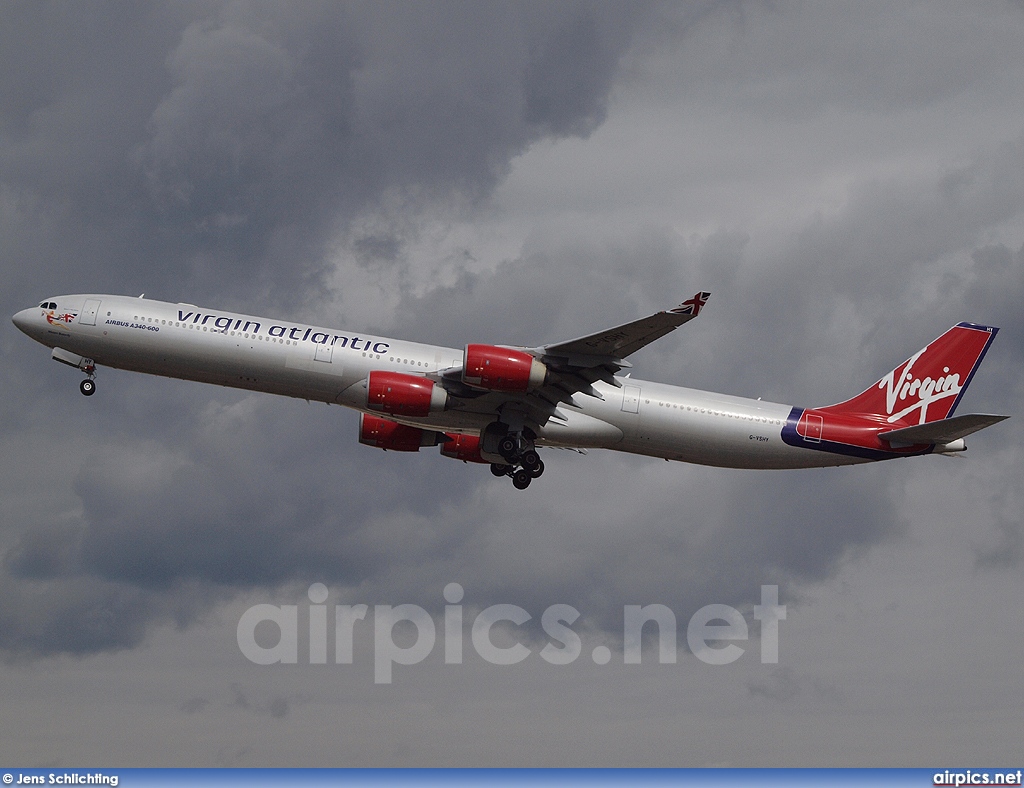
(928, 386)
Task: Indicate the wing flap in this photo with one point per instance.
(944, 431)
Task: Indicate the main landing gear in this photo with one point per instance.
(523, 464)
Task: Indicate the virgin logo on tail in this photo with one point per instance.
(928, 385)
(927, 390)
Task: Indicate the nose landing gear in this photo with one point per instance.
(88, 386)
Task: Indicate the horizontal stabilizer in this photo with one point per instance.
(944, 431)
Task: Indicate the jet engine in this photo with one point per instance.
(462, 447)
(404, 395)
(501, 369)
(383, 434)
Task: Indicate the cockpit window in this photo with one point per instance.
(44, 305)
(48, 305)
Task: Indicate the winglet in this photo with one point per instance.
(693, 305)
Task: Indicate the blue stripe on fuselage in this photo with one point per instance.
(794, 438)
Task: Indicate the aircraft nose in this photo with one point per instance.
(23, 320)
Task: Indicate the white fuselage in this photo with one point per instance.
(329, 365)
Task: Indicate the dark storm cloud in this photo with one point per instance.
(173, 523)
(217, 149)
(252, 136)
(845, 179)
(82, 613)
(236, 508)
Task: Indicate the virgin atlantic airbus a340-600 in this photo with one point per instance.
(498, 405)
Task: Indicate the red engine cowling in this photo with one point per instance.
(462, 447)
(404, 395)
(383, 434)
(501, 369)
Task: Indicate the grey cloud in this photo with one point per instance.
(225, 147)
(78, 615)
(240, 699)
(569, 74)
(240, 511)
(782, 68)
(220, 153)
(46, 551)
(1009, 549)
(779, 685)
(783, 684)
(560, 288)
(1002, 548)
(194, 705)
(223, 153)
(279, 707)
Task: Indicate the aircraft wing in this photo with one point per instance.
(574, 366)
(616, 343)
(944, 431)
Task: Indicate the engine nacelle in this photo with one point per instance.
(383, 434)
(404, 395)
(501, 369)
(462, 447)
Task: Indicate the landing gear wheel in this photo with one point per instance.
(537, 470)
(530, 459)
(521, 479)
(508, 446)
(87, 387)
(500, 470)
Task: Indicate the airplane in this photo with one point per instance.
(498, 404)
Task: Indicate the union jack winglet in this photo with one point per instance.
(693, 305)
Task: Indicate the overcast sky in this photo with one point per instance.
(847, 179)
